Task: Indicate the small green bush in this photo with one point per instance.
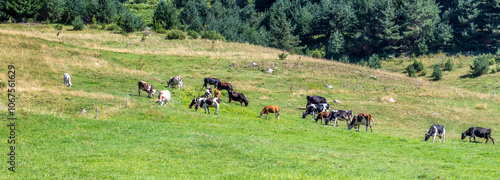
(282, 56)
(193, 34)
(58, 26)
(374, 62)
(344, 59)
(448, 66)
(480, 65)
(317, 53)
(112, 27)
(176, 34)
(437, 74)
(423, 72)
(212, 35)
(78, 23)
(411, 71)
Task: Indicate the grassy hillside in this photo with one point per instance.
(149, 141)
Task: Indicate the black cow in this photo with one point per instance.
(479, 132)
(240, 97)
(342, 114)
(213, 81)
(315, 100)
(436, 130)
(315, 108)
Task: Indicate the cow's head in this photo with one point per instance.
(463, 135)
(304, 115)
(427, 136)
(193, 102)
(153, 92)
(198, 105)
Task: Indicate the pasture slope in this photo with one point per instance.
(146, 141)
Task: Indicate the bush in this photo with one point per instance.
(448, 66)
(212, 35)
(480, 66)
(344, 59)
(131, 22)
(78, 23)
(437, 74)
(58, 26)
(112, 27)
(176, 34)
(282, 56)
(193, 34)
(374, 62)
(317, 53)
(411, 71)
(423, 73)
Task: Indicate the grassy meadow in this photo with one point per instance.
(146, 141)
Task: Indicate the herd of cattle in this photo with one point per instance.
(315, 104)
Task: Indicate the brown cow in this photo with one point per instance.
(361, 118)
(217, 93)
(271, 109)
(223, 85)
(146, 87)
(322, 115)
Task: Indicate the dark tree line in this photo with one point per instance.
(344, 30)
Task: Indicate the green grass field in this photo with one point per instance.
(146, 141)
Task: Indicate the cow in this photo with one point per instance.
(315, 108)
(212, 81)
(235, 96)
(146, 87)
(271, 109)
(164, 96)
(223, 85)
(436, 130)
(472, 132)
(208, 92)
(336, 114)
(209, 102)
(217, 93)
(67, 80)
(322, 115)
(176, 80)
(361, 118)
(195, 101)
(315, 100)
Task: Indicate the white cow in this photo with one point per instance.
(164, 96)
(176, 80)
(67, 80)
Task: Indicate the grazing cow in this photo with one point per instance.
(208, 92)
(322, 115)
(315, 100)
(164, 96)
(315, 108)
(342, 114)
(195, 101)
(217, 93)
(271, 109)
(361, 118)
(223, 85)
(146, 87)
(67, 80)
(235, 96)
(212, 81)
(209, 102)
(472, 132)
(436, 130)
(176, 80)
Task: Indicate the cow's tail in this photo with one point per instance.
(224, 104)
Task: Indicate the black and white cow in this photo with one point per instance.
(436, 130)
(479, 132)
(342, 114)
(315, 100)
(209, 102)
(315, 108)
(208, 92)
(212, 81)
(195, 101)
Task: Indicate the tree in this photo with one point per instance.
(166, 15)
(480, 66)
(448, 66)
(374, 62)
(190, 17)
(23, 9)
(73, 9)
(335, 46)
(78, 23)
(437, 74)
(54, 10)
(387, 29)
(130, 22)
(281, 28)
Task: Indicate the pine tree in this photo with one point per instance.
(464, 20)
(131, 22)
(166, 15)
(54, 10)
(23, 9)
(281, 28)
(73, 9)
(437, 73)
(107, 10)
(335, 46)
(480, 65)
(387, 28)
(190, 17)
(448, 66)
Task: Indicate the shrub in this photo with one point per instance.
(58, 26)
(78, 23)
(131, 22)
(411, 71)
(193, 34)
(317, 53)
(480, 65)
(112, 27)
(282, 56)
(176, 34)
(448, 66)
(437, 74)
(344, 59)
(374, 62)
(423, 73)
(212, 35)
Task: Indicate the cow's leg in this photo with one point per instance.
(434, 138)
(217, 110)
(313, 115)
(444, 132)
(486, 140)
(267, 115)
(139, 92)
(493, 141)
(474, 138)
(371, 130)
(335, 123)
(277, 116)
(358, 128)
